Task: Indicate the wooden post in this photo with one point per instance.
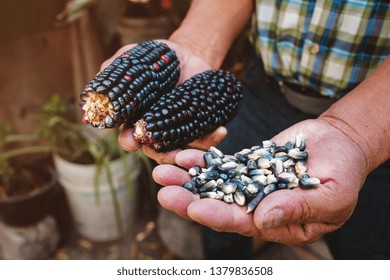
(87, 54)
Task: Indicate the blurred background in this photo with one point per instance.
(57, 46)
(66, 191)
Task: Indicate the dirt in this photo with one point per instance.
(140, 242)
(25, 180)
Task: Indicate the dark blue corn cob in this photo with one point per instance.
(130, 85)
(198, 106)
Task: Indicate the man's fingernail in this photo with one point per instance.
(273, 218)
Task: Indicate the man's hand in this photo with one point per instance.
(293, 217)
(201, 42)
(190, 64)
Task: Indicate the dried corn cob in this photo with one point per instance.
(191, 110)
(131, 84)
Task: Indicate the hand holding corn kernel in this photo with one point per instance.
(294, 216)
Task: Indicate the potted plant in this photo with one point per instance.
(24, 184)
(98, 176)
(29, 193)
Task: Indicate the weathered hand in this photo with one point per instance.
(190, 64)
(288, 216)
(128, 143)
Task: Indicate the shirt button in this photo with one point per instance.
(314, 48)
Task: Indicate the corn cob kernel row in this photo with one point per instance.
(198, 106)
(131, 84)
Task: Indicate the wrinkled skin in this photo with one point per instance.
(293, 217)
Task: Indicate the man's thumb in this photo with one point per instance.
(286, 207)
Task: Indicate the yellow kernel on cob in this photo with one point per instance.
(96, 108)
(141, 134)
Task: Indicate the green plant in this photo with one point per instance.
(57, 133)
(66, 137)
(82, 144)
(17, 178)
(74, 141)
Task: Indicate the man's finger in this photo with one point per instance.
(300, 206)
(160, 158)
(212, 139)
(189, 158)
(126, 140)
(176, 199)
(167, 174)
(221, 216)
(297, 234)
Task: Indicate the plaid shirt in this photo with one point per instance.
(327, 46)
